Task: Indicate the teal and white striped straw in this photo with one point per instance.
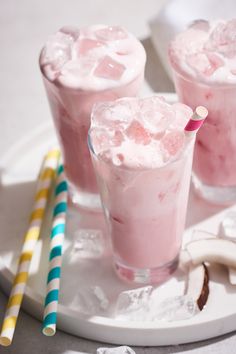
(55, 256)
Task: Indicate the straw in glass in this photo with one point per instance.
(44, 183)
(196, 121)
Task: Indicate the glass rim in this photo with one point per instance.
(184, 154)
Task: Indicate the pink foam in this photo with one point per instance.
(111, 33)
(173, 142)
(206, 64)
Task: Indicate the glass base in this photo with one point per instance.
(146, 276)
(90, 201)
(215, 195)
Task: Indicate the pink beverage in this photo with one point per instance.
(203, 59)
(80, 68)
(143, 161)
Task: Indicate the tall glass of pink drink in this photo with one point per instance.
(143, 161)
(80, 68)
(203, 59)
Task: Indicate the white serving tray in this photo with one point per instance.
(19, 169)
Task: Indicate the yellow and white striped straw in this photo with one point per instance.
(45, 180)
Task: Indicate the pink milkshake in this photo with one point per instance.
(81, 67)
(203, 59)
(143, 161)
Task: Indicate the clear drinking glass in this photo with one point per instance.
(201, 58)
(145, 210)
(80, 68)
(214, 160)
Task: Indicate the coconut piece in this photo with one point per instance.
(197, 286)
(201, 235)
(227, 231)
(185, 261)
(213, 250)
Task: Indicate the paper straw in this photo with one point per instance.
(55, 255)
(196, 121)
(44, 183)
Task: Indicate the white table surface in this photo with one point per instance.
(24, 26)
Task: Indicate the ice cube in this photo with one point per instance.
(100, 295)
(118, 159)
(223, 39)
(58, 50)
(101, 140)
(204, 63)
(177, 308)
(70, 30)
(117, 138)
(112, 115)
(214, 60)
(86, 44)
(138, 133)
(201, 25)
(228, 225)
(182, 115)
(173, 142)
(134, 304)
(116, 350)
(109, 69)
(123, 110)
(198, 62)
(154, 103)
(111, 33)
(78, 68)
(90, 301)
(89, 243)
(101, 114)
(231, 30)
(155, 114)
(217, 37)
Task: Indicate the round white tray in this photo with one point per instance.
(19, 168)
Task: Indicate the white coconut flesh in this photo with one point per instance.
(213, 250)
(197, 285)
(200, 235)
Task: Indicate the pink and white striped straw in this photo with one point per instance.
(196, 121)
